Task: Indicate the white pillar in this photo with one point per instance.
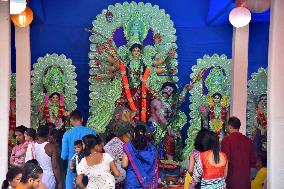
(276, 96)
(238, 104)
(5, 70)
(23, 76)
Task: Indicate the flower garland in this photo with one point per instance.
(144, 93)
(144, 87)
(125, 82)
(217, 126)
(262, 118)
(60, 110)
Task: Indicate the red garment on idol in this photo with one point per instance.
(169, 144)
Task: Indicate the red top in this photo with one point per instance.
(241, 156)
(211, 171)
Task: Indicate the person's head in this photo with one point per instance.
(52, 135)
(123, 131)
(169, 89)
(119, 111)
(211, 142)
(262, 100)
(50, 125)
(199, 140)
(216, 97)
(30, 135)
(32, 174)
(92, 143)
(76, 118)
(139, 140)
(78, 146)
(20, 134)
(136, 50)
(59, 136)
(34, 161)
(54, 97)
(261, 160)
(42, 132)
(234, 124)
(85, 140)
(13, 177)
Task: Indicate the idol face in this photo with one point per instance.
(167, 91)
(157, 39)
(109, 18)
(263, 101)
(136, 52)
(55, 99)
(216, 99)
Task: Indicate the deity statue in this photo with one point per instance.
(161, 114)
(53, 110)
(214, 111)
(53, 91)
(260, 124)
(210, 97)
(164, 112)
(215, 115)
(131, 74)
(257, 109)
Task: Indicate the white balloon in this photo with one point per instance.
(240, 17)
(17, 6)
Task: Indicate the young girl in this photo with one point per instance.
(97, 166)
(30, 136)
(13, 177)
(194, 160)
(259, 181)
(32, 174)
(214, 163)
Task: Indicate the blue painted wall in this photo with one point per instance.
(59, 28)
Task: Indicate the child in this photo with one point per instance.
(261, 175)
(96, 165)
(78, 146)
(30, 136)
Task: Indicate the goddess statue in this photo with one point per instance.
(214, 115)
(53, 90)
(133, 73)
(257, 109)
(209, 98)
(260, 124)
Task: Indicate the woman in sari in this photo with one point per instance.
(140, 159)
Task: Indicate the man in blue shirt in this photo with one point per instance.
(69, 137)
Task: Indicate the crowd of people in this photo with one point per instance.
(48, 158)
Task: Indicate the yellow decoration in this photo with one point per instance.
(217, 127)
(23, 19)
(211, 101)
(224, 101)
